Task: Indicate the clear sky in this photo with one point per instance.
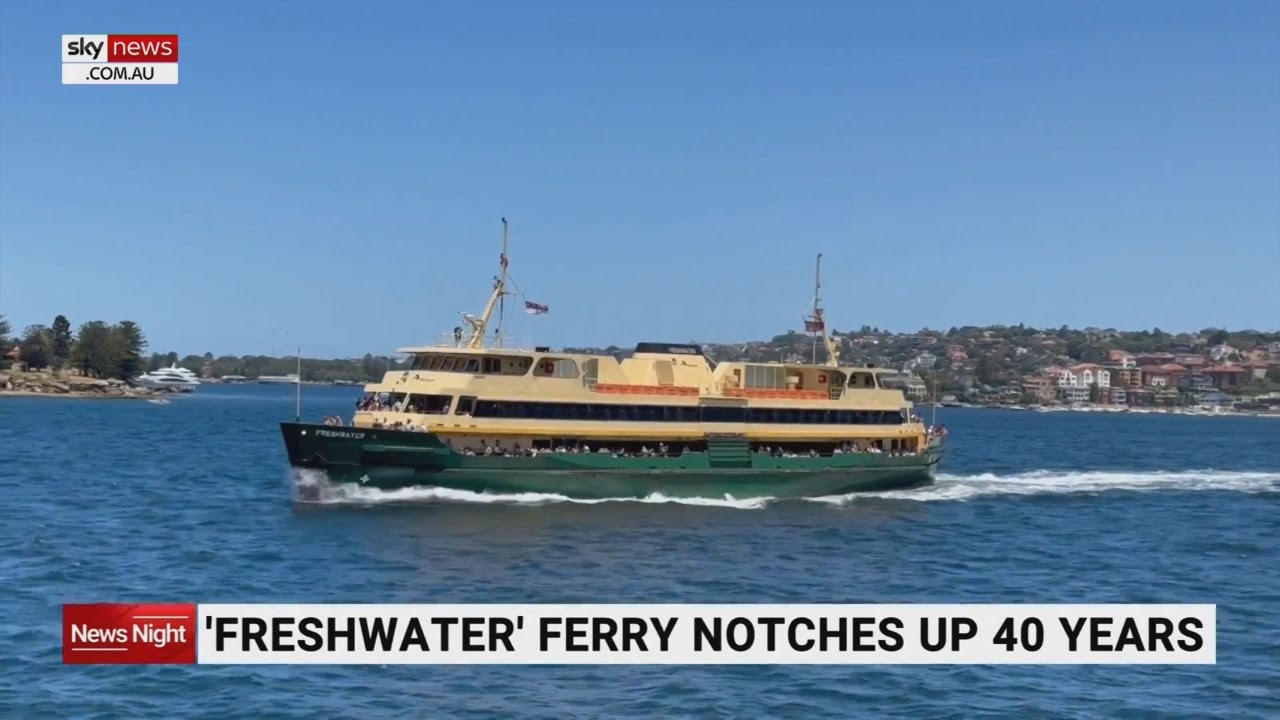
(336, 171)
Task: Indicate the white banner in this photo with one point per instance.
(706, 634)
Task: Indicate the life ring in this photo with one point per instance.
(822, 377)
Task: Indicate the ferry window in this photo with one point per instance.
(473, 365)
(435, 363)
(492, 365)
(466, 405)
(724, 414)
(765, 377)
(665, 372)
(419, 361)
(566, 369)
(448, 364)
(429, 404)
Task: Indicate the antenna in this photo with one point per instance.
(480, 324)
(297, 410)
(934, 422)
(817, 322)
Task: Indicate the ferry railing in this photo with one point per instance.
(448, 340)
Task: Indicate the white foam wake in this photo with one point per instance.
(314, 487)
(1052, 482)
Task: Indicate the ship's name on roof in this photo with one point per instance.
(668, 349)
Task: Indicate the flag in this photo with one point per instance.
(813, 325)
(534, 308)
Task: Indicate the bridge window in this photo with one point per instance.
(556, 367)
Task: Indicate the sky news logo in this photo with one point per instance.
(119, 59)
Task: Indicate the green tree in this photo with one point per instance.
(61, 341)
(128, 345)
(4, 343)
(1218, 338)
(36, 348)
(93, 351)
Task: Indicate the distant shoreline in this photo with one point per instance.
(78, 395)
(45, 384)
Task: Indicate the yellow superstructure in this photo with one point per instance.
(468, 393)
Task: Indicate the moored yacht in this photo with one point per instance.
(172, 379)
(471, 413)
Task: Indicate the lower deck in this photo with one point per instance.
(719, 466)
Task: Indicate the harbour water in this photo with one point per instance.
(192, 501)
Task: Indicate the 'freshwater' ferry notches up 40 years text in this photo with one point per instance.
(473, 414)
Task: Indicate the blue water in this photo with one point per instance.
(192, 501)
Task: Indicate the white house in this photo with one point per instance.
(923, 360)
(1218, 353)
(1084, 375)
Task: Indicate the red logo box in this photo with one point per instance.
(129, 634)
(142, 48)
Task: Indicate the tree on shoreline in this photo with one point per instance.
(36, 348)
(61, 349)
(92, 349)
(4, 343)
(129, 343)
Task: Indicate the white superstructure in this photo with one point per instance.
(172, 378)
(290, 379)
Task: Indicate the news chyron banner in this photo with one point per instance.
(267, 634)
(119, 59)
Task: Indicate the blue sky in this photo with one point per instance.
(336, 171)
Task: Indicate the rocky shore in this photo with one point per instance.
(51, 385)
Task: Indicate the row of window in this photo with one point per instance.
(470, 364)
(677, 413)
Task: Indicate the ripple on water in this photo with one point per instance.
(190, 501)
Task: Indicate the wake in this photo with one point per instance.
(314, 487)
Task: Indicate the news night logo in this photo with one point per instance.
(119, 59)
(129, 634)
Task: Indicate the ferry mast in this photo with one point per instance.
(818, 321)
(480, 324)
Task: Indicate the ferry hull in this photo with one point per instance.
(390, 459)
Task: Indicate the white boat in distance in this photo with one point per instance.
(290, 379)
(172, 379)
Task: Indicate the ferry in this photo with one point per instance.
(472, 413)
(290, 379)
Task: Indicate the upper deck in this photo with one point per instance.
(667, 372)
